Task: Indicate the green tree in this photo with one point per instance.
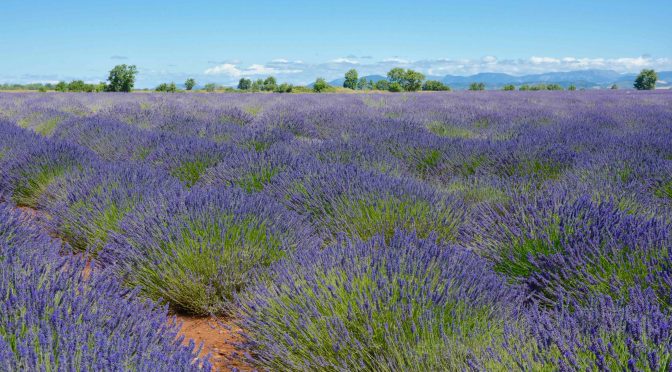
(244, 84)
(122, 78)
(554, 87)
(646, 80)
(477, 86)
(572, 87)
(362, 84)
(320, 85)
(210, 87)
(409, 80)
(164, 87)
(62, 86)
(351, 78)
(257, 85)
(381, 85)
(614, 87)
(270, 84)
(284, 88)
(76, 86)
(396, 75)
(189, 84)
(395, 87)
(509, 87)
(435, 85)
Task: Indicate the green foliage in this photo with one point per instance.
(210, 87)
(614, 87)
(664, 190)
(435, 85)
(477, 86)
(572, 87)
(198, 270)
(189, 84)
(408, 80)
(256, 181)
(395, 87)
(30, 189)
(450, 131)
(646, 80)
(509, 87)
(382, 85)
(270, 84)
(47, 128)
(244, 84)
(363, 84)
(165, 87)
(554, 87)
(191, 171)
(320, 85)
(122, 78)
(367, 217)
(524, 87)
(284, 88)
(351, 79)
(61, 86)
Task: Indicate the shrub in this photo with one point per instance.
(29, 174)
(362, 204)
(320, 85)
(435, 85)
(576, 249)
(88, 205)
(406, 304)
(165, 87)
(477, 86)
(509, 87)
(395, 87)
(196, 250)
(52, 317)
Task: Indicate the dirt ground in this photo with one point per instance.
(219, 338)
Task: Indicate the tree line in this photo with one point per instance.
(122, 79)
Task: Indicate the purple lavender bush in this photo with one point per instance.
(90, 204)
(53, 317)
(195, 250)
(345, 199)
(406, 304)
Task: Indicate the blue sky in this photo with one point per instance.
(221, 41)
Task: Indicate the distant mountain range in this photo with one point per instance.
(588, 79)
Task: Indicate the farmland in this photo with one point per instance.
(337, 232)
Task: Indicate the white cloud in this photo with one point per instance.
(232, 70)
(347, 61)
(540, 60)
(224, 69)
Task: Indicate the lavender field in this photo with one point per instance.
(484, 231)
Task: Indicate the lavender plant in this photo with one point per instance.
(196, 250)
(359, 306)
(54, 318)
